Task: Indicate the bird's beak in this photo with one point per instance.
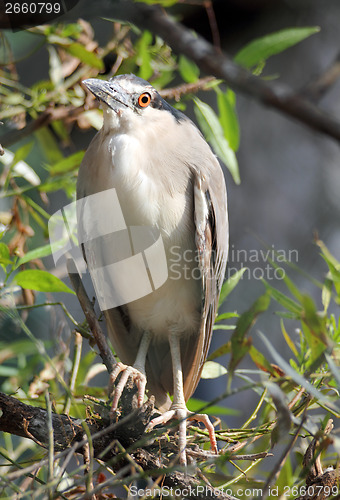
(108, 92)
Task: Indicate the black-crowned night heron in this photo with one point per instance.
(165, 177)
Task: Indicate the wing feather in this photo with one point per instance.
(211, 237)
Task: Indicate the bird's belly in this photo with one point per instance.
(174, 307)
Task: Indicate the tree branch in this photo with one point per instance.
(91, 318)
(320, 85)
(31, 422)
(186, 88)
(182, 41)
(211, 61)
(69, 113)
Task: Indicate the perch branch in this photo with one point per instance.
(319, 484)
(31, 422)
(69, 113)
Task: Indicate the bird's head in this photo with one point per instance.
(129, 101)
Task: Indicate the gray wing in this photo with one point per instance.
(212, 235)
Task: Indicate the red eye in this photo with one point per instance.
(144, 100)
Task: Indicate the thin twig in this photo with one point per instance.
(84, 333)
(320, 85)
(90, 315)
(213, 24)
(69, 113)
(187, 88)
(273, 94)
(50, 445)
(68, 430)
(75, 367)
(276, 470)
(182, 41)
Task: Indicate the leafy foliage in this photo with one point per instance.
(259, 50)
(299, 394)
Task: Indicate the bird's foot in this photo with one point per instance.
(183, 414)
(126, 372)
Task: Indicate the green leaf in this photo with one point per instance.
(41, 281)
(144, 55)
(282, 299)
(67, 164)
(188, 69)
(214, 134)
(61, 130)
(54, 183)
(36, 207)
(296, 377)
(11, 350)
(8, 371)
(4, 251)
(228, 117)
(164, 78)
(288, 282)
(316, 325)
(223, 327)
(260, 361)
(229, 285)
(56, 68)
(224, 349)
(211, 369)
(334, 368)
(84, 55)
(197, 405)
(4, 255)
(239, 344)
(87, 361)
(37, 253)
(229, 315)
(274, 43)
(289, 341)
(326, 294)
(333, 266)
(22, 152)
(49, 145)
(18, 167)
(328, 256)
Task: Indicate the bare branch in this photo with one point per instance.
(319, 484)
(69, 113)
(90, 315)
(213, 24)
(187, 88)
(211, 61)
(31, 422)
(318, 87)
